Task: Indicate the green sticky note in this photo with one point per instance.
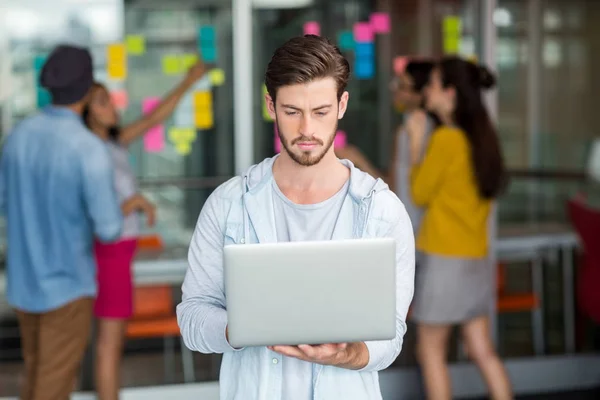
(188, 61)
(217, 76)
(346, 40)
(172, 65)
(136, 44)
(452, 26)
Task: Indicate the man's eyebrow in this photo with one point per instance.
(299, 109)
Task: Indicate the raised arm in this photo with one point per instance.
(136, 129)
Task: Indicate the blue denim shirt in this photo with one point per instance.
(241, 211)
(57, 193)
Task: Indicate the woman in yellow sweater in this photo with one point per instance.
(456, 180)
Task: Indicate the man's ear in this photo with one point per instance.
(270, 106)
(343, 105)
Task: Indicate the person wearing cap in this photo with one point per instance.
(57, 193)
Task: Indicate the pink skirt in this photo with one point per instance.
(115, 283)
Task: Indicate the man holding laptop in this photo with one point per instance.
(304, 204)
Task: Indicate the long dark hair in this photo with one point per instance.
(468, 80)
(113, 131)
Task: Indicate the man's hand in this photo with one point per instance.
(343, 355)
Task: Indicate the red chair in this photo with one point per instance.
(586, 221)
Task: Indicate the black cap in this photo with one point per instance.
(67, 74)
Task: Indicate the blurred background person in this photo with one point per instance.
(407, 89)
(456, 180)
(57, 193)
(114, 303)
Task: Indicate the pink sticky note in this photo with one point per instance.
(312, 28)
(363, 32)
(380, 22)
(154, 140)
(400, 63)
(340, 141)
(149, 104)
(277, 140)
(120, 99)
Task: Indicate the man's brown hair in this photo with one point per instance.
(305, 59)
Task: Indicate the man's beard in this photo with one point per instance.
(305, 158)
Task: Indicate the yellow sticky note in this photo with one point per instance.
(188, 61)
(452, 25)
(203, 101)
(117, 71)
(179, 135)
(116, 54)
(451, 45)
(217, 76)
(136, 44)
(204, 119)
(171, 65)
(265, 110)
(183, 148)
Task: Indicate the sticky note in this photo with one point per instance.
(364, 69)
(452, 32)
(38, 63)
(365, 50)
(188, 61)
(183, 148)
(265, 110)
(312, 28)
(340, 140)
(172, 65)
(120, 99)
(179, 134)
(346, 40)
(149, 104)
(209, 54)
(400, 63)
(154, 139)
(206, 34)
(452, 25)
(204, 119)
(363, 32)
(43, 97)
(203, 100)
(380, 22)
(117, 71)
(217, 76)
(116, 53)
(136, 44)
(451, 45)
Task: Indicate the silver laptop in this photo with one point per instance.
(310, 292)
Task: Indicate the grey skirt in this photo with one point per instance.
(451, 290)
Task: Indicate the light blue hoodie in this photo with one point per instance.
(241, 211)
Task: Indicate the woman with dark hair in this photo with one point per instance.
(114, 301)
(407, 89)
(456, 180)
